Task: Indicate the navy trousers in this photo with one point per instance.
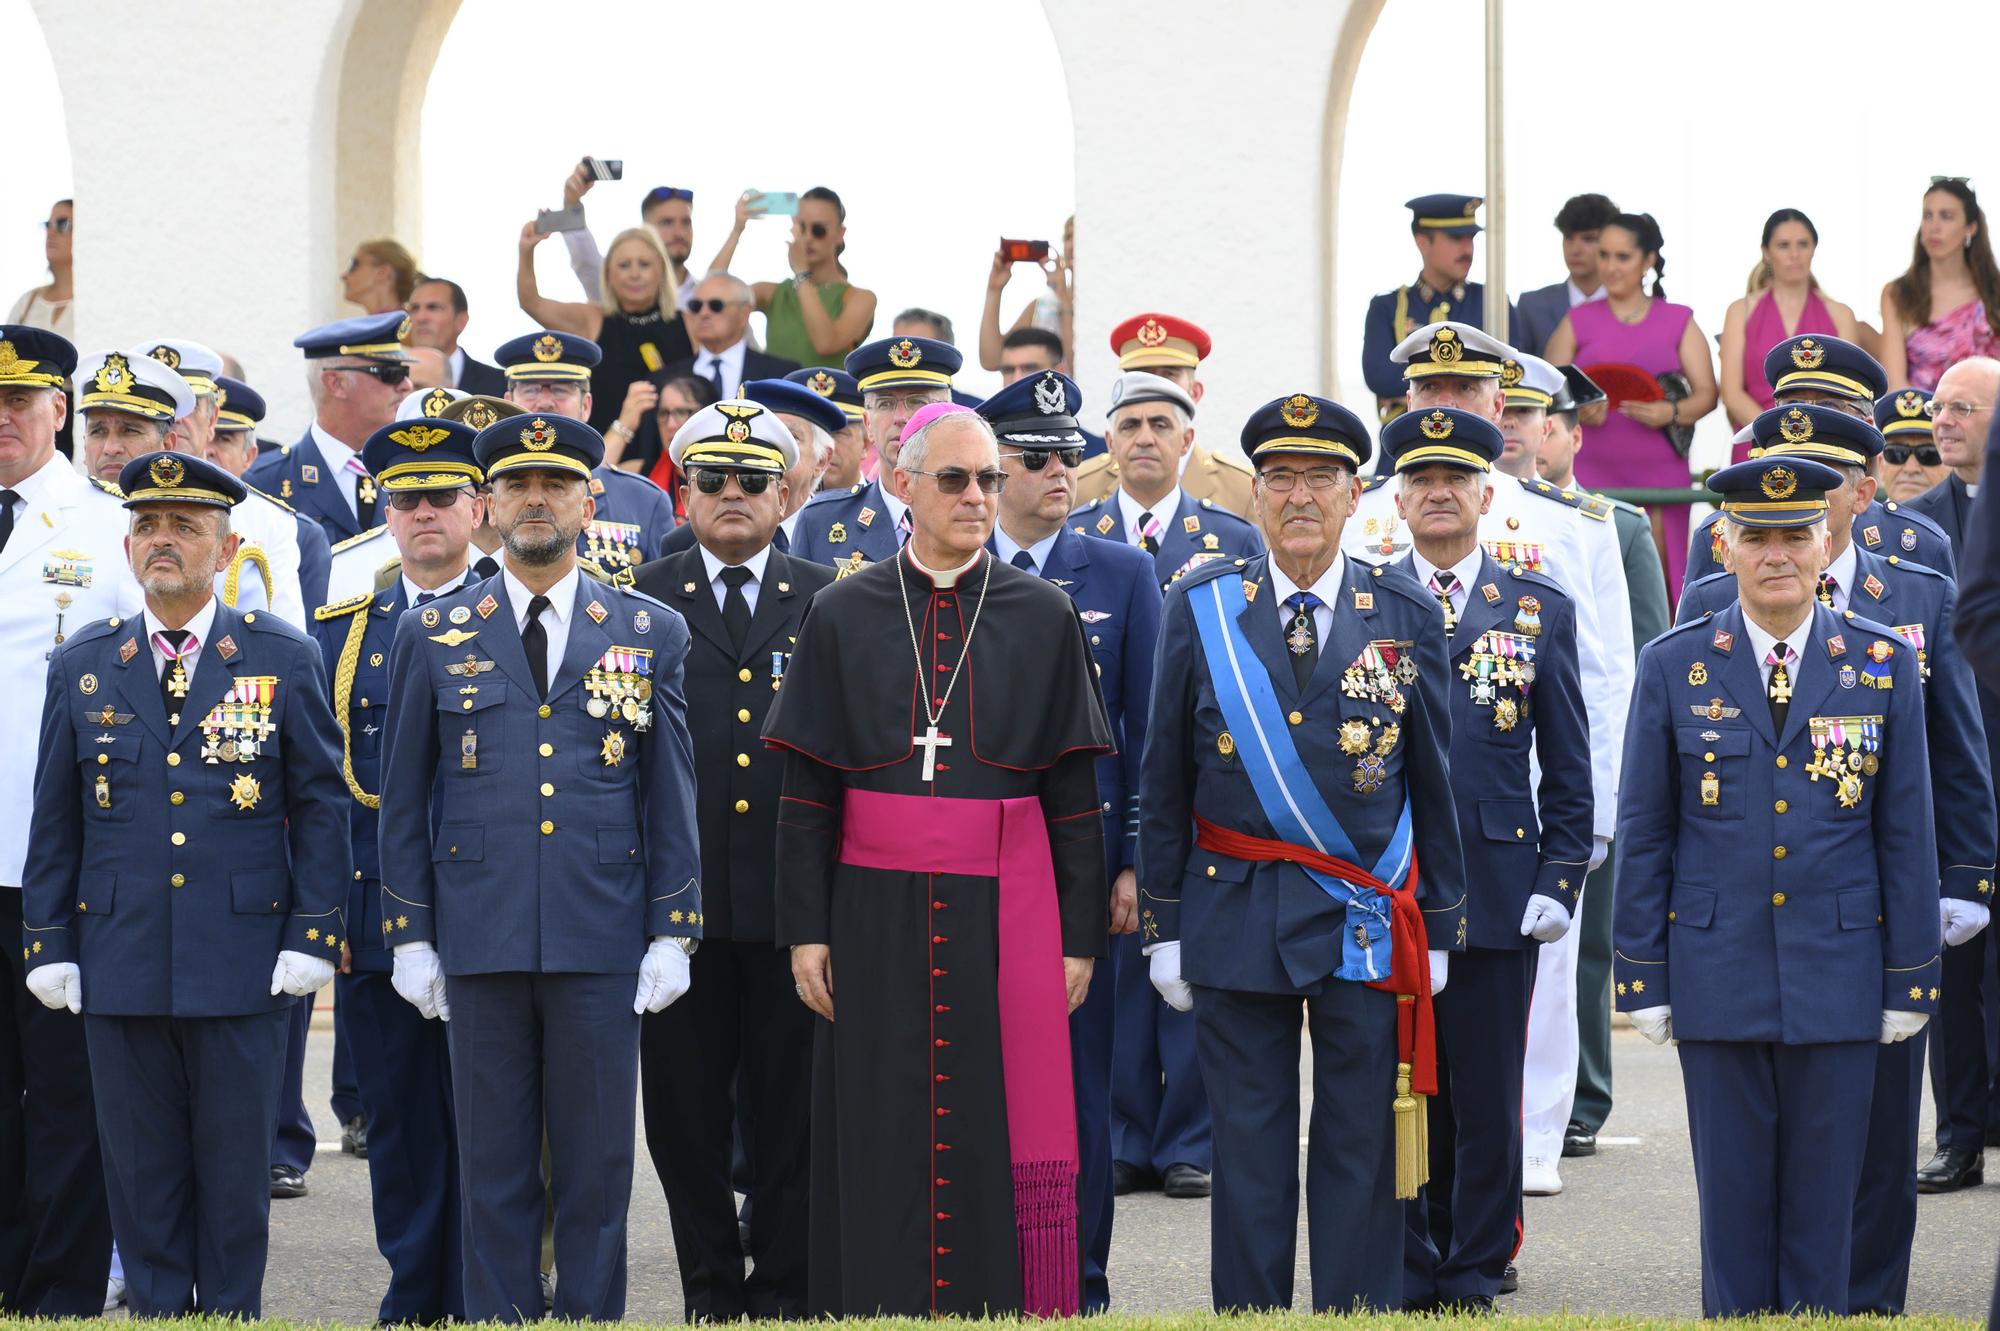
(1962, 1072)
(402, 1071)
(1090, 1045)
(1462, 1223)
(1778, 1133)
(1885, 1203)
(1159, 1111)
(524, 1047)
(345, 1102)
(1249, 1048)
(181, 1104)
(292, 1138)
(55, 1227)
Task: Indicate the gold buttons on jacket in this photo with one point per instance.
(1708, 757)
(1777, 852)
(178, 797)
(173, 759)
(179, 838)
(544, 711)
(548, 828)
(178, 880)
(743, 714)
(742, 760)
(1782, 762)
(1781, 806)
(743, 806)
(1296, 718)
(103, 758)
(467, 704)
(1211, 871)
(548, 788)
(548, 750)
(743, 676)
(1777, 898)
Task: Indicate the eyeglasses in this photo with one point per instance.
(667, 194)
(953, 480)
(1036, 459)
(715, 305)
(818, 229)
(1284, 482)
(1951, 180)
(1962, 410)
(408, 501)
(710, 480)
(59, 225)
(913, 399)
(388, 375)
(1926, 454)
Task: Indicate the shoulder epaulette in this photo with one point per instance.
(359, 601)
(1374, 482)
(626, 578)
(824, 495)
(1091, 466)
(266, 494)
(1229, 460)
(638, 595)
(1594, 506)
(1390, 577)
(593, 570)
(107, 487)
(1553, 493)
(101, 628)
(1696, 622)
(364, 537)
(1214, 568)
(1538, 579)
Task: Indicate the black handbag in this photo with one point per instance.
(1674, 386)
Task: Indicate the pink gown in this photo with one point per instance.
(1947, 340)
(1621, 452)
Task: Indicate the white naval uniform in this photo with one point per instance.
(356, 561)
(271, 529)
(68, 542)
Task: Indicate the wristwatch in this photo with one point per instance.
(688, 945)
(800, 279)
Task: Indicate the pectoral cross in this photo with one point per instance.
(930, 741)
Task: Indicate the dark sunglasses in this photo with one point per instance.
(715, 305)
(388, 375)
(710, 480)
(818, 230)
(408, 501)
(1035, 459)
(59, 225)
(667, 193)
(953, 480)
(1926, 454)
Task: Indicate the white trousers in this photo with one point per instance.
(1549, 1087)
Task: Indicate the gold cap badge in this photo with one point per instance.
(1437, 425)
(115, 375)
(548, 347)
(1445, 348)
(403, 329)
(436, 401)
(421, 437)
(539, 437)
(1796, 427)
(1511, 374)
(479, 416)
(167, 473)
(1299, 411)
(166, 356)
(1151, 334)
(1779, 483)
(821, 383)
(905, 355)
(1910, 403)
(1808, 354)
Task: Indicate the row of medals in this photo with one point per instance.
(1845, 749)
(620, 689)
(1378, 675)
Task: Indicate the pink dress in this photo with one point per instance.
(1943, 342)
(1622, 452)
(1765, 328)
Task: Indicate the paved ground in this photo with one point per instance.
(1621, 1237)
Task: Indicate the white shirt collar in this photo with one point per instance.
(1577, 295)
(1465, 570)
(1007, 547)
(562, 596)
(790, 527)
(1761, 642)
(455, 366)
(1327, 588)
(1164, 511)
(1841, 570)
(201, 626)
(35, 489)
(331, 449)
(755, 563)
(731, 355)
(895, 506)
(411, 591)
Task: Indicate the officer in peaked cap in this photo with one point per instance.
(201, 367)
(1782, 748)
(1910, 460)
(813, 421)
(1041, 446)
(1442, 226)
(1295, 762)
(560, 895)
(866, 523)
(850, 442)
(188, 756)
(549, 373)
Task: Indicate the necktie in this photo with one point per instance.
(1780, 686)
(425, 598)
(735, 605)
(715, 377)
(1023, 561)
(903, 526)
(174, 644)
(486, 566)
(1826, 586)
(1442, 585)
(1302, 636)
(7, 498)
(1149, 533)
(535, 642)
(364, 493)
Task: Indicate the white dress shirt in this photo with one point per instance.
(1577, 295)
(1039, 551)
(1327, 588)
(1163, 512)
(1841, 570)
(555, 619)
(1762, 643)
(411, 591)
(201, 626)
(455, 366)
(895, 507)
(731, 361)
(336, 455)
(755, 563)
(1465, 570)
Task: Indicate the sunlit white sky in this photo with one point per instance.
(1708, 114)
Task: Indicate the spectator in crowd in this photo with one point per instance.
(380, 276)
(428, 369)
(1632, 330)
(49, 306)
(1052, 312)
(1910, 460)
(816, 316)
(1782, 300)
(719, 319)
(636, 323)
(667, 210)
(438, 315)
(1035, 350)
(1538, 312)
(920, 322)
(1945, 307)
(850, 441)
(675, 401)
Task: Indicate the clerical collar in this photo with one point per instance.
(944, 579)
(1426, 292)
(1007, 547)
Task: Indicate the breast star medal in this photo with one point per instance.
(614, 748)
(1354, 738)
(1368, 774)
(244, 791)
(1506, 714)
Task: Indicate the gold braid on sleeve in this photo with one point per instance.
(232, 582)
(343, 698)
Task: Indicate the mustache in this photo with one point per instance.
(169, 552)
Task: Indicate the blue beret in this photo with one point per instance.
(903, 362)
(1307, 425)
(1817, 362)
(422, 454)
(375, 336)
(238, 405)
(837, 386)
(1036, 411)
(1444, 435)
(542, 443)
(178, 478)
(1445, 214)
(796, 400)
(548, 355)
(1808, 430)
(1904, 415)
(1775, 491)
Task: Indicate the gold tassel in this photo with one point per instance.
(1412, 1151)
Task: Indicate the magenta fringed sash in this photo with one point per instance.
(1008, 840)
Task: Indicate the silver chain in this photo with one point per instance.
(923, 684)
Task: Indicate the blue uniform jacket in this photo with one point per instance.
(1752, 897)
(1883, 528)
(1199, 530)
(299, 476)
(1383, 330)
(172, 880)
(1510, 853)
(632, 514)
(1267, 927)
(1918, 603)
(838, 524)
(315, 562)
(564, 842)
(1120, 608)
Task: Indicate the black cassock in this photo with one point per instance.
(912, 1207)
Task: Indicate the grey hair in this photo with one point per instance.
(1181, 419)
(940, 323)
(822, 443)
(911, 455)
(739, 290)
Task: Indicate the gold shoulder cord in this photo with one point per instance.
(343, 693)
(232, 582)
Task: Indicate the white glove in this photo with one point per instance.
(663, 976)
(1961, 919)
(1655, 1023)
(419, 978)
(1898, 1026)
(1164, 969)
(58, 984)
(1440, 967)
(1600, 847)
(1546, 919)
(298, 974)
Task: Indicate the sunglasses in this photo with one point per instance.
(1036, 459)
(953, 480)
(667, 193)
(715, 304)
(388, 375)
(408, 501)
(710, 480)
(1926, 454)
(59, 225)
(818, 230)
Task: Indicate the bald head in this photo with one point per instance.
(1963, 407)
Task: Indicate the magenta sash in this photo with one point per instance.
(1007, 840)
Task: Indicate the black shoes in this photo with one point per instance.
(1126, 1179)
(1510, 1279)
(354, 1137)
(1948, 1171)
(287, 1182)
(1184, 1181)
(1578, 1140)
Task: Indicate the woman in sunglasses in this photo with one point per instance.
(48, 307)
(380, 276)
(1910, 460)
(816, 317)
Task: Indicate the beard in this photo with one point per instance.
(167, 582)
(540, 552)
